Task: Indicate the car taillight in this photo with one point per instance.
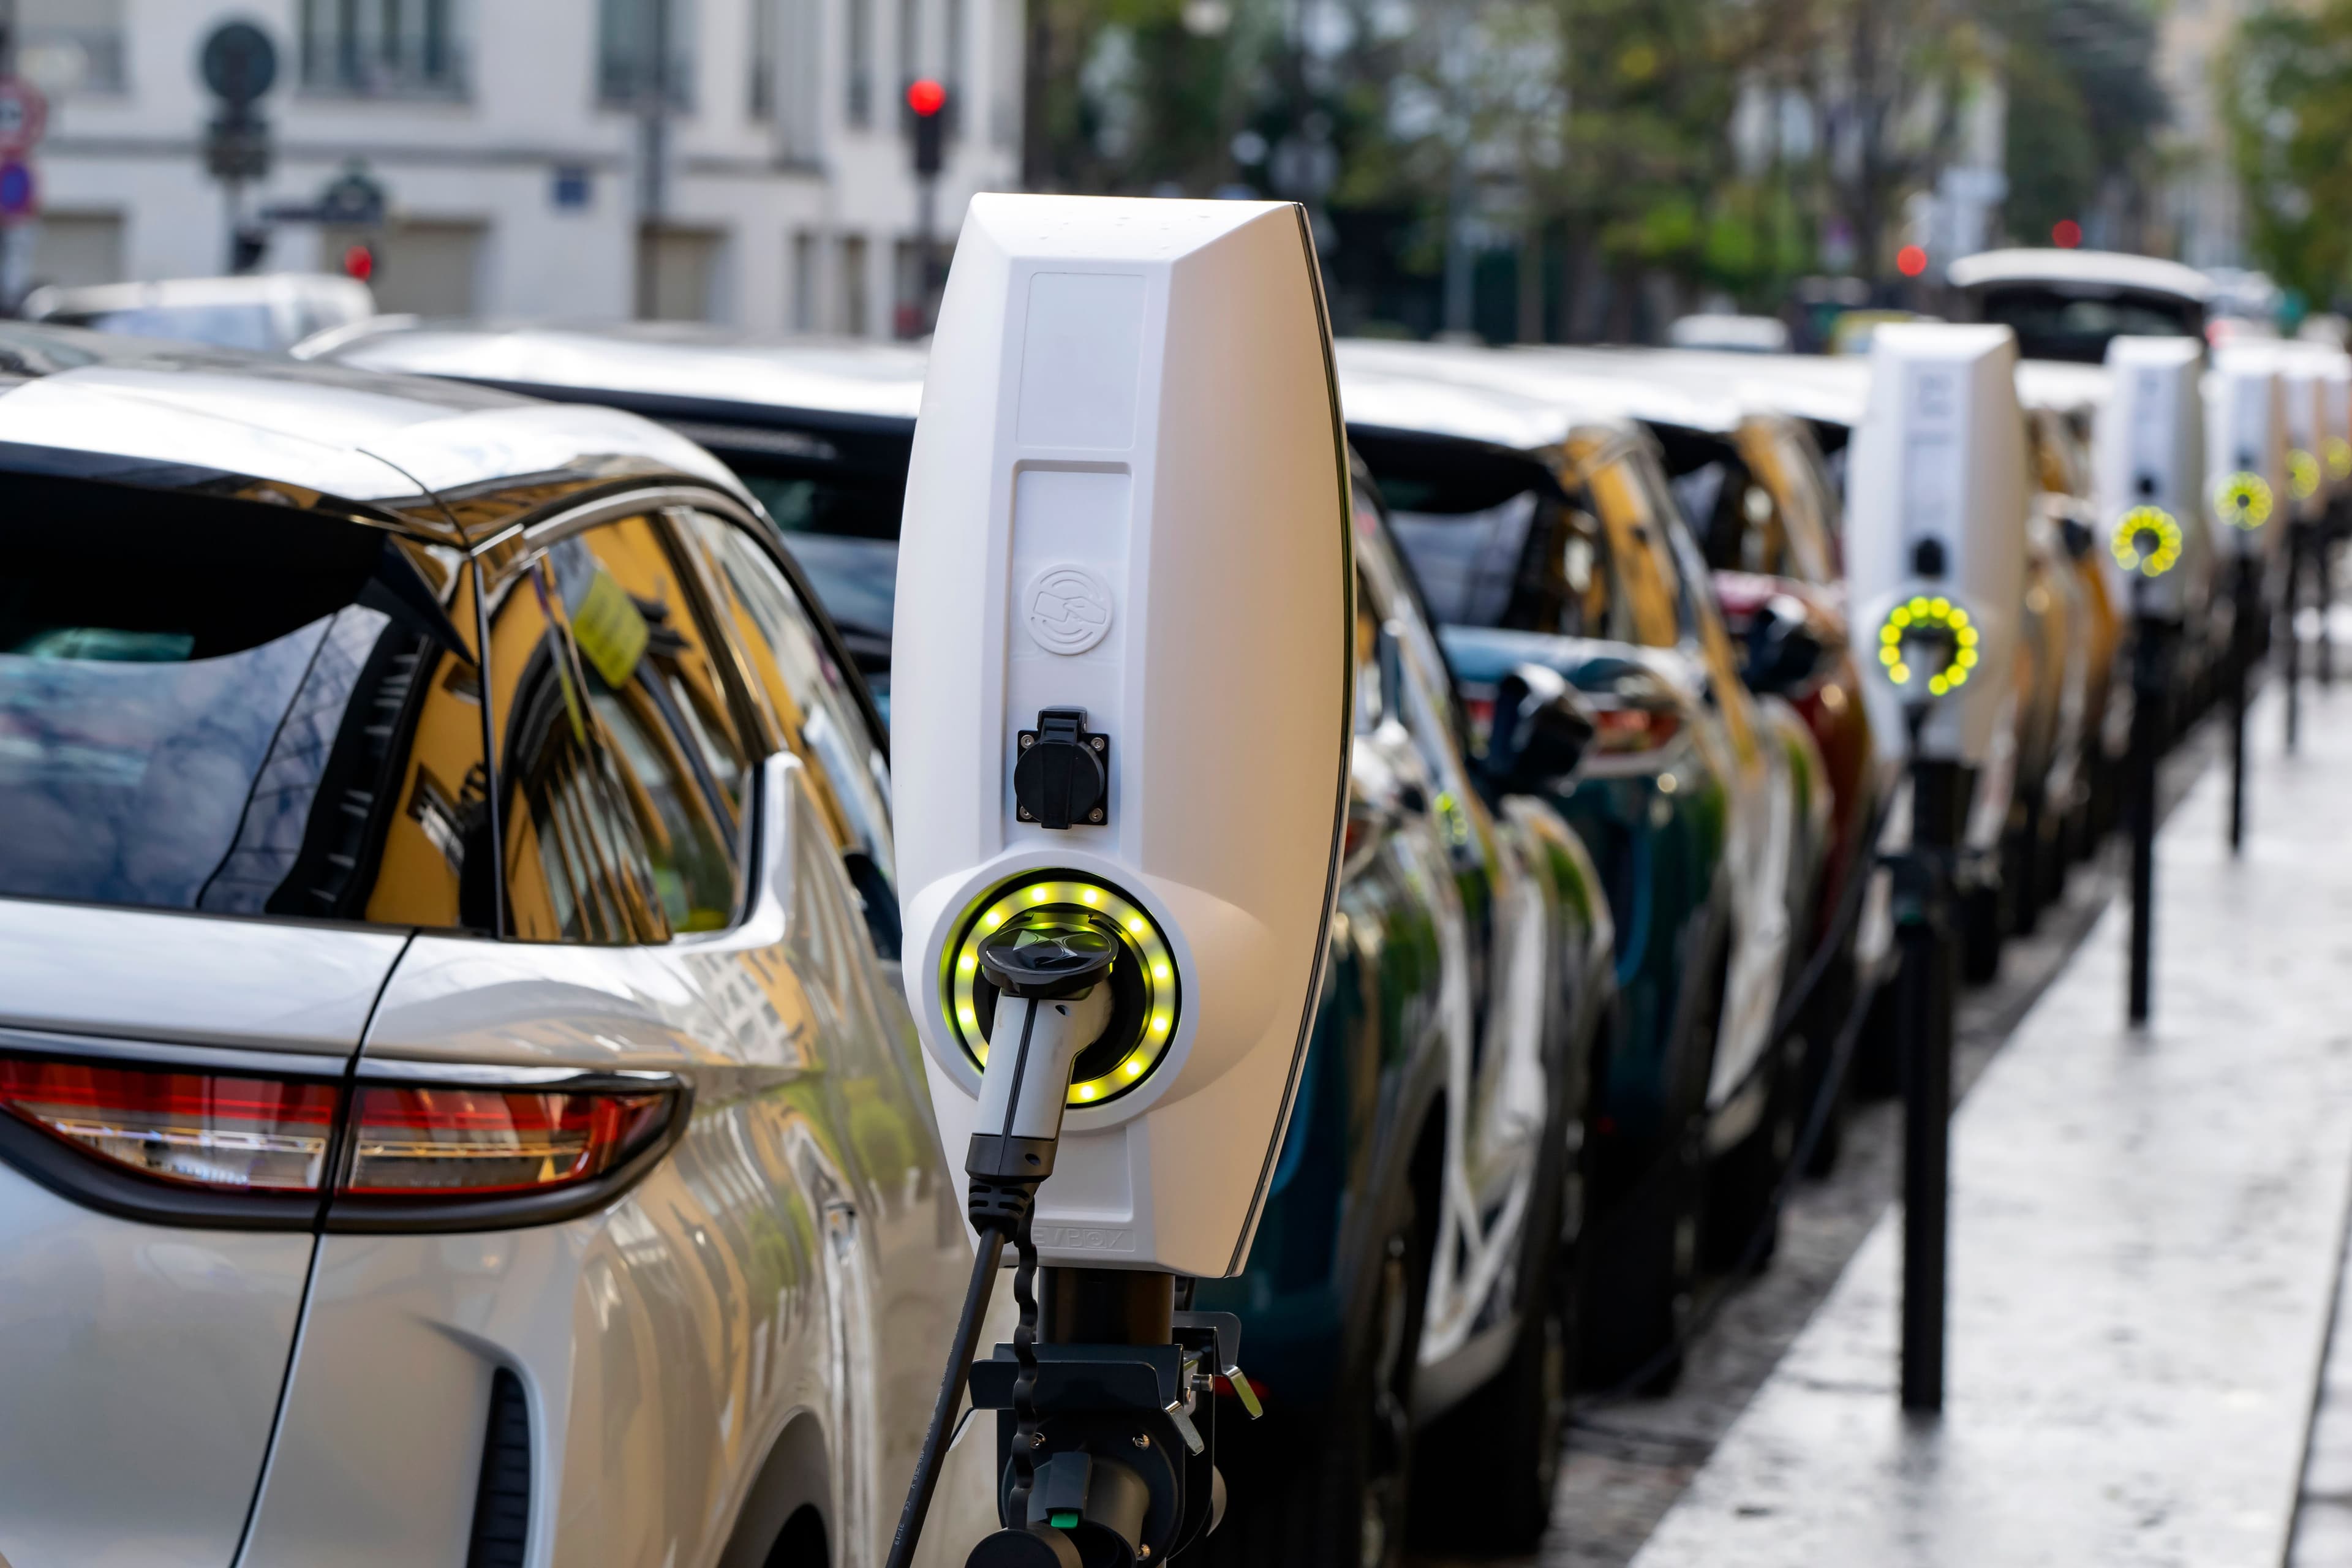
(1619, 730)
(257, 1153)
(422, 1143)
(199, 1129)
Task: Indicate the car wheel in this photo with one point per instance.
(1827, 1012)
(1980, 935)
(1635, 1281)
(1636, 1271)
(1329, 1489)
(1484, 1473)
(1743, 1223)
(2020, 872)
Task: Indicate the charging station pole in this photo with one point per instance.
(1929, 987)
(2151, 668)
(2295, 546)
(2246, 604)
(1936, 539)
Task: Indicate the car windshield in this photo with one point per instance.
(2053, 323)
(223, 326)
(204, 705)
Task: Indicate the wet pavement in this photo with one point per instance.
(2147, 1233)
(1630, 1462)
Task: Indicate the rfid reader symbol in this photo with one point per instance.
(1067, 609)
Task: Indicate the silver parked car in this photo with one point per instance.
(457, 1104)
(261, 312)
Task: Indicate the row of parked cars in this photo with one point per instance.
(460, 1105)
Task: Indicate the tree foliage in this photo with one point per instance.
(2287, 95)
(1609, 131)
(2084, 106)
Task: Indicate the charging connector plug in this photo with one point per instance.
(1051, 1005)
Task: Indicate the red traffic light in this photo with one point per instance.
(925, 97)
(359, 262)
(2067, 233)
(1911, 260)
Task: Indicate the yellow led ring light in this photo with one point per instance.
(2135, 525)
(2243, 501)
(2302, 474)
(1919, 614)
(1143, 977)
(2339, 457)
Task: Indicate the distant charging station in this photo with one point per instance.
(1121, 695)
(1935, 570)
(2246, 489)
(2149, 463)
(2302, 372)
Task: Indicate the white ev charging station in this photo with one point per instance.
(1936, 536)
(1936, 571)
(2150, 470)
(2246, 486)
(2336, 427)
(2149, 466)
(2246, 450)
(2307, 422)
(1121, 704)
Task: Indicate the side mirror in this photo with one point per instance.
(1542, 729)
(1785, 650)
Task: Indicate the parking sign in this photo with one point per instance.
(20, 193)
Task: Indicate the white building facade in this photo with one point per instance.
(532, 166)
(2202, 203)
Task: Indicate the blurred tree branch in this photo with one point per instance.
(2285, 88)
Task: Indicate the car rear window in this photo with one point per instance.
(212, 704)
(223, 326)
(2052, 322)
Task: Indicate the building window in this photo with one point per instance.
(763, 59)
(685, 280)
(642, 49)
(850, 322)
(951, 69)
(71, 46)
(805, 281)
(1006, 44)
(786, 60)
(384, 47)
(858, 34)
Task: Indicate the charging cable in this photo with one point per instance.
(1052, 980)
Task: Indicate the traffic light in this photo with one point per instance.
(927, 102)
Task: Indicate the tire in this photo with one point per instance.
(1499, 1451)
(2020, 854)
(1825, 1017)
(1635, 1282)
(1741, 1224)
(1635, 1272)
(1331, 1488)
(1980, 935)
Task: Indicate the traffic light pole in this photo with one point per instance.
(1927, 985)
(926, 110)
(927, 244)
